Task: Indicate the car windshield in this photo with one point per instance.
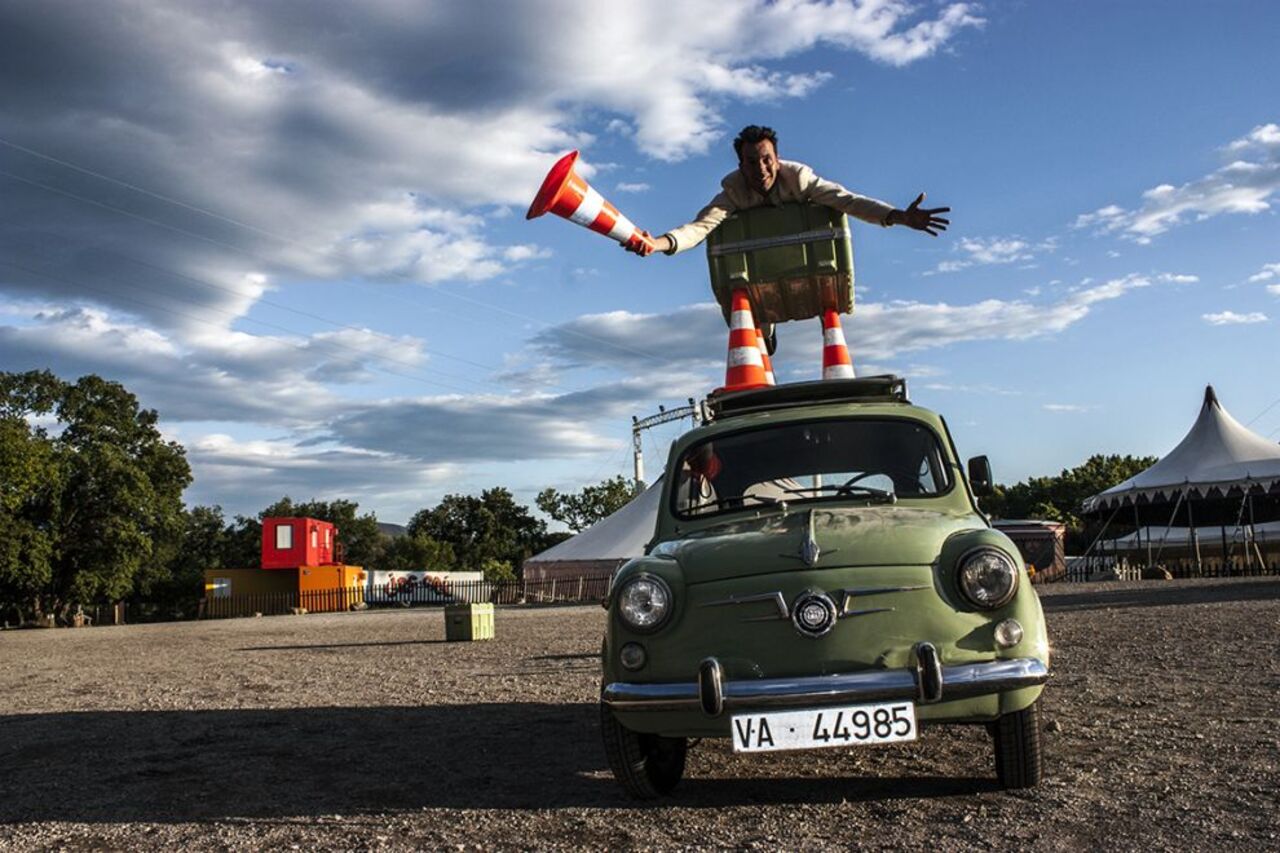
(864, 459)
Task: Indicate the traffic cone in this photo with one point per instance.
(836, 363)
(764, 357)
(745, 367)
(565, 193)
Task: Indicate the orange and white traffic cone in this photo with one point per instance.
(836, 363)
(764, 358)
(565, 193)
(745, 367)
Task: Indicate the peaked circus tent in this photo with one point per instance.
(605, 545)
(1217, 467)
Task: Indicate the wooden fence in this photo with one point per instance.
(437, 592)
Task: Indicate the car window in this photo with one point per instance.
(855, 458)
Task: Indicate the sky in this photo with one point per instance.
(297, 230)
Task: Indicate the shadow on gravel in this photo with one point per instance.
(178, 766)
(324, 646)
(1163, 594)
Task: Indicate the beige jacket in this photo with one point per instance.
(795, 182)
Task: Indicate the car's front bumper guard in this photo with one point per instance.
(927, 682)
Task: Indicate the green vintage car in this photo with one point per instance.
(820, 576)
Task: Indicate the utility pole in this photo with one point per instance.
(662, 416)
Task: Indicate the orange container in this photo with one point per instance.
(326, 589)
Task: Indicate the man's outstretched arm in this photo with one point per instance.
(690, 235)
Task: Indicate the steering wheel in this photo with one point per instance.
(848, 484)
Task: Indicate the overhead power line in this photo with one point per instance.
(267, 233)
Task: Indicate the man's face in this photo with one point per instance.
(759, 163)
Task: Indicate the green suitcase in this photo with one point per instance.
(794, 260)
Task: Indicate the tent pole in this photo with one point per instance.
(1195, 539)
(1137, 520)
(1225, 554)
(1253, 539)
(1165, 536)
(1098, 538)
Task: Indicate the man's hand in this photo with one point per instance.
(921, 218)
(645, 248)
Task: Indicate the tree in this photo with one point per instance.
(497, 571)
(30, 481)
(109, 512)
(491, 526)
(205, 544)
(580, 510)
(415, 554)
(1059, 498)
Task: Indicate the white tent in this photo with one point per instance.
(1216, 457)
(605, 545)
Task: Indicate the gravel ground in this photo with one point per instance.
(367, 731)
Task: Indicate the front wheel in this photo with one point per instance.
(1019, 753)
(646, 765)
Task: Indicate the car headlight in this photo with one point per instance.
(644, 603)
(988, 577)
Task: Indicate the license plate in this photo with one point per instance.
(886, 722)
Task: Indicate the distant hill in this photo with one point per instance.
(395, 531)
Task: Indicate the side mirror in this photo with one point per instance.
(980, 479)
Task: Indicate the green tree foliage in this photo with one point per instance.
(580, 510)
(415, 554)
(108, 511)
(497, 570)
(489, 527)
(205, 544)
(30, 482)
(1059, 498)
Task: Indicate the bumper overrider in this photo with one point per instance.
(926, 683)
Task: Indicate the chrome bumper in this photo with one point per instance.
(925, 683)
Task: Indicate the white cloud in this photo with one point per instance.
(625, 187)
(1070, 408)
(243, 147)
(1231, 318)
(1244, 185)
(980, 251)
(695, 335)
(1268, 272)
(1273, 289)
(258, 472)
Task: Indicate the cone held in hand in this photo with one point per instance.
(567, 194)
(745, 367)
(836, 363)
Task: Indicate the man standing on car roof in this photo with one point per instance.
(762, 179)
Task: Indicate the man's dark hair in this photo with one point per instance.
(751, 134)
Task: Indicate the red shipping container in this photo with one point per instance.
(288, 543)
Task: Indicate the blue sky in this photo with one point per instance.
(298, 233)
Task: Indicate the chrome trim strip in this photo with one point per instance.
(775, 597)
(785, 240)
(961, 681)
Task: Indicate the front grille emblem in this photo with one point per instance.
(813, 613)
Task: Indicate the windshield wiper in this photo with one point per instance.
(841, 490)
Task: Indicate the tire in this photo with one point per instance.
(647, 766)
(1019, 752)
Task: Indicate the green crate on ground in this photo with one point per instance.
(795, 261)
(468, 622)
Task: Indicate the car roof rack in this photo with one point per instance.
(868, 389)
